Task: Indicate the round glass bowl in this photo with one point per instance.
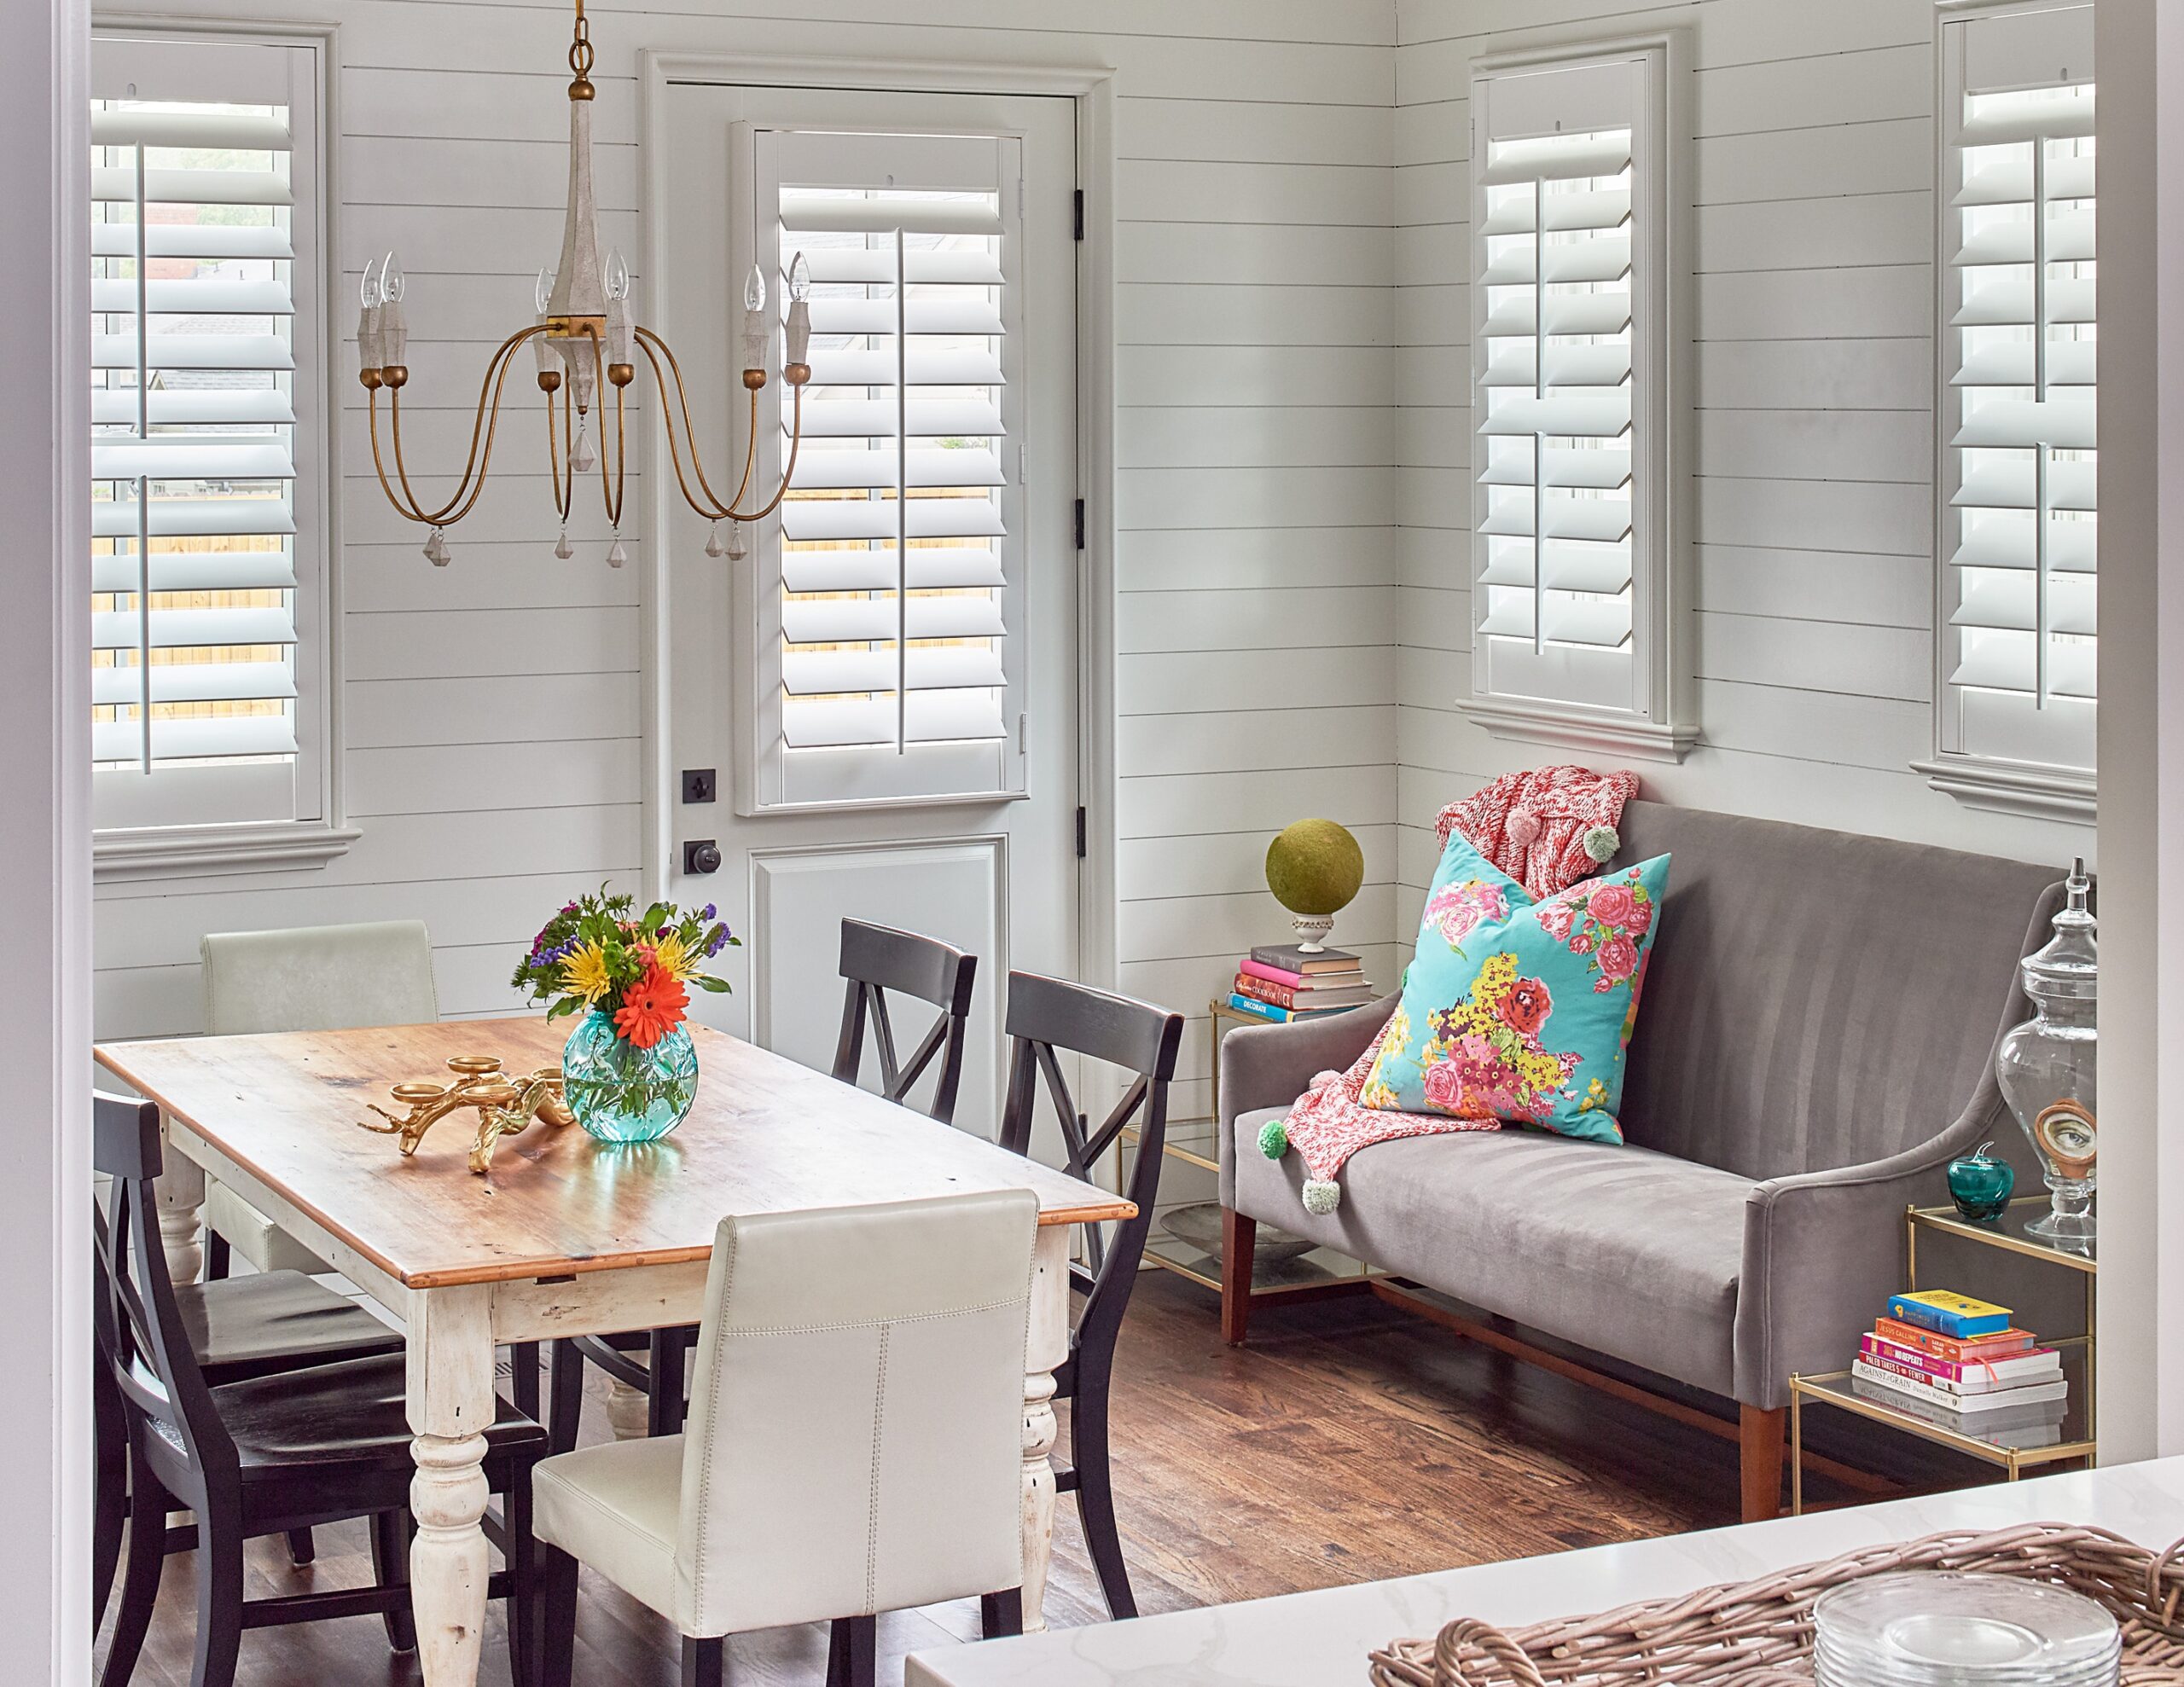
(1928, 1628)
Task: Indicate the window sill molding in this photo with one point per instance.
(191, 851)
(1647, 740)
(2002, 788)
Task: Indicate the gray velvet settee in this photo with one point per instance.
(1815, 1042)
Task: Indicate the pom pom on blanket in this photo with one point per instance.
(1321, 1196)
(1274, 1139)
(1544, 827)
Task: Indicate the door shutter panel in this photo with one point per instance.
(889, 586)
(194, 442)
(2019, 331)
(1568, 275)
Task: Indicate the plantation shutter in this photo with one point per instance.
(200, 219)
(2021, 521)
(1568, 543)
(892, 577)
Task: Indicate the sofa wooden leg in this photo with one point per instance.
(1239, 1242)
(1759, 1440)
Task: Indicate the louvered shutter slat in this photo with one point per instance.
(2014, 485)
(2071, 362)
(184, 457)
(196, 682)
(2006, 539)
(2067, 424)
(197, 571)
(192, 239)
(2008, 601)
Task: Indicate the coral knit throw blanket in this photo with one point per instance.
(1547, 828)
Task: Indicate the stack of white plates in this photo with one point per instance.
(1939, 1629)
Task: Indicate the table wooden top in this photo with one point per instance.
(765, 1135)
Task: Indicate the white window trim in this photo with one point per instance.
(1669, 728)
(2022, 789)
(185, 851)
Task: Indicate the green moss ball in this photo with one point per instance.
(1315, 867)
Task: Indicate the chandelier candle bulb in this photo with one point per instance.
(799, 315)
(757, 330)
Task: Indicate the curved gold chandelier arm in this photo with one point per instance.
(563, 491)
(485, 425)
(788, 474)
(712, 509)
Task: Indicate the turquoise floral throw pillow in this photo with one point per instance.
(1518, 1009)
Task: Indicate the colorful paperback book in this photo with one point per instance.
(2001, 1342)
(1267, 1010)
(1292, 958)
(1282, 995)
(1347, 978)
(2040, 1365)
(1970, 1404)
(1947, 1313)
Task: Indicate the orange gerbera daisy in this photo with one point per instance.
(652, 1007)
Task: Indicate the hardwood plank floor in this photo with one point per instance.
(1349, 1441)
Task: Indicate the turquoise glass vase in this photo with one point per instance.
(620, 1092)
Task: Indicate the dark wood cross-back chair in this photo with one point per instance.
(1048, 1018)
(878, 958)
(290, 1450)
(875, 961)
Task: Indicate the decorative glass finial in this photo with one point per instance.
(581, 458)
(562, 547)
(738, 547)
(616, 556)
(436, 551)
(713, 546)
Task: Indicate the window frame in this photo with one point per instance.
(1666, 727)
(318, 831)
(2042, 790)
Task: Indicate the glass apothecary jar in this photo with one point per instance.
(2046, 1066)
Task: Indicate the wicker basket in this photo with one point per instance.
(1759, 1633)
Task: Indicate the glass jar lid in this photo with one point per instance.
(2067, 967)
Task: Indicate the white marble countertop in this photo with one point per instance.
(1321, 1639)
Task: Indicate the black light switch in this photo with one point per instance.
(697, 786)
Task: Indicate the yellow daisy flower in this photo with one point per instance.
(585, 974)
(674, 957)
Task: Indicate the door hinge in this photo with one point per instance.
(1080, 523)
(1023, 734)
(1078, 221)
(1080, 831)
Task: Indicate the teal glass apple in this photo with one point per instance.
(1980, 1183)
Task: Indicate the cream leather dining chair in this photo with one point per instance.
(853, 1442)
(307, 978)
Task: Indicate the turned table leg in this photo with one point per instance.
(1045, 1348)
(182, 1201)
(450, 1404)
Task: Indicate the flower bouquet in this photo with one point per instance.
(629, 1072)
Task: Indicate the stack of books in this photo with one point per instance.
(1961, 1364)
(1281, 982)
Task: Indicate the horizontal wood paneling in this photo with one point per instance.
(1811, 572)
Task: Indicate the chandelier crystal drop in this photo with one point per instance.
(584, 342)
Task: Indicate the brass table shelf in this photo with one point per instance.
(2014, 1450)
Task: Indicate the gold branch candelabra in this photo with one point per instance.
(506, 1106)
(584, 344)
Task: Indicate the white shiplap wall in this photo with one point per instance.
(1813, 184)
(492, 708)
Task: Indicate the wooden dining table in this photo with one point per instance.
(563, 1236)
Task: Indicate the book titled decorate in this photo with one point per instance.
(1947, 1313)
(1290, 958)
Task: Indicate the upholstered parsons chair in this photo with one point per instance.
(307, 978)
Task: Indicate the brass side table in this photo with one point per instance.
(1319, 1271)
(2015, 1451)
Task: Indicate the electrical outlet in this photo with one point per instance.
(697, 784)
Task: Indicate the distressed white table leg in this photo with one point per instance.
(628, 1410)
(1045, 1347)
(182, 1201)
(450, 1401)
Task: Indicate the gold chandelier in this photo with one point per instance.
(584, 341)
